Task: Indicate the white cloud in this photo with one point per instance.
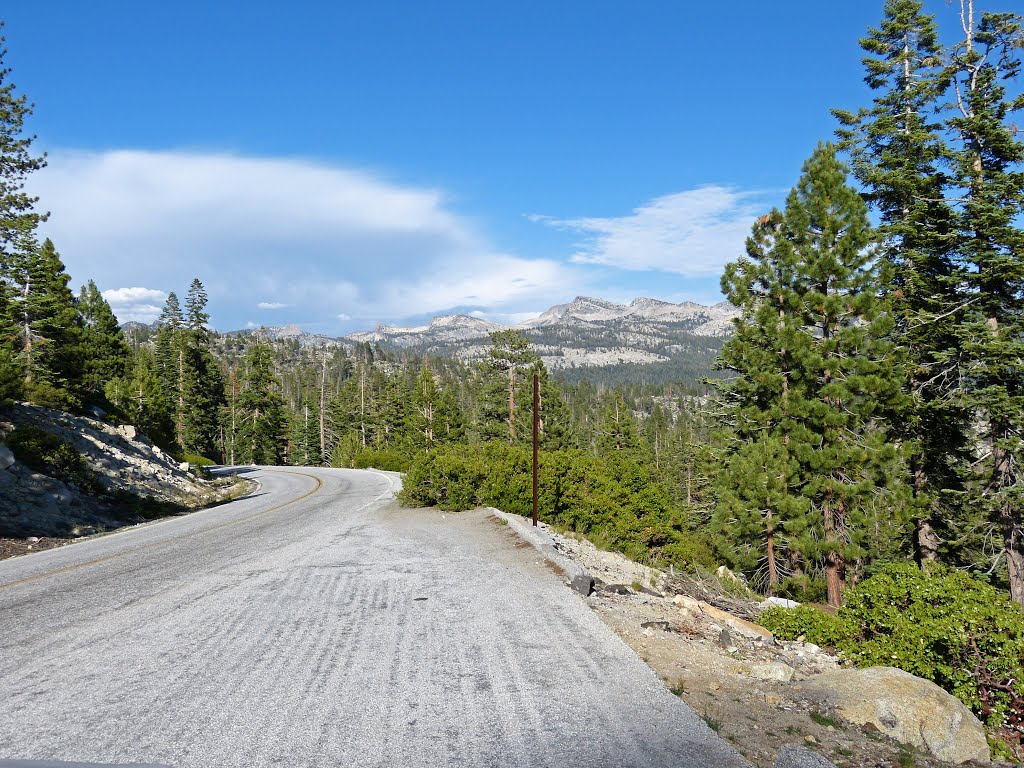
(142, 305)
(271, 305)
(343, 316)
(692, 233)
(324, 240)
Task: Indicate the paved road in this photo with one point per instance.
(318, 624)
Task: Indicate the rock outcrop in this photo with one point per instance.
(122, 466)
(903, 707)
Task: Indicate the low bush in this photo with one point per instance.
(613, 500)
(195, 460)
(943, 625)
(45, 452)
(813, 625)
(388, 460)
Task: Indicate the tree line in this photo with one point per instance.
(875, 398)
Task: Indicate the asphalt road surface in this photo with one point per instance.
(317, 623)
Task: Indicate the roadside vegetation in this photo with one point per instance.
(861, 446)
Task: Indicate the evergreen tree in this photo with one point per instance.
(616, 429)
(49, 329)
(140, 396)
(169, 363)
(106, 353)
(200, 380)
(18, 218)
(988, 167)
(897, 147)
(814, 376)
(509, 359)
(260, 437)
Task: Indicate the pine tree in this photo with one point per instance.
(815, 375)
(106, 354)
(18, 218)
(846, 357)
(988, 166)
(509, 359)
(49, 329)
(166, 358)
(260, 435)
(200, 379)
(897, 146)
(139, 395)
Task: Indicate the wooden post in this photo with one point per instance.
(536, 435)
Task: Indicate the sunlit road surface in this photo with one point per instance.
(317, 623)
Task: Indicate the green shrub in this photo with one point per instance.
(444, 478)
(945, 626)
(813, 625)
(195, 460)
(45, 452)
(613, 501)
(45, 394)
(386, 459)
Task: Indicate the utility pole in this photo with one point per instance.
(536, 435)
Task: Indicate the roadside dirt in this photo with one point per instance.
(715, 669)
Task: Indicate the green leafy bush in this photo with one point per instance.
(447, 479)
(813, 625)
(386, 459)
(613, 501)
(945, 626)
(45, 452)
(195, 460)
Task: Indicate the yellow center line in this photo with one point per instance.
(97, 561)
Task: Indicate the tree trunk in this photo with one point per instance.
(180, 425)
(773, 570)
(1009, 517)
(926, 541)
(323, 405)
(511, 404)
(834, 563)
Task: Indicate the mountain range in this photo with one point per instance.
(583, 334)
(640, 340)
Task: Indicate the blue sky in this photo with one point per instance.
(338, 164)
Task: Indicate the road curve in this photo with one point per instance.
(316, 623)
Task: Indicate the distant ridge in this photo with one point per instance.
(584, 334)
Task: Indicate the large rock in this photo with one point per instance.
(905, 708)
(798, 757)
(6, 457)
(774, 670)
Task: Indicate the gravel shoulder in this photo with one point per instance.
(720, 672)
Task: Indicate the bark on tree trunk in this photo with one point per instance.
(511, 404)
(773, 571)
(834, 563)
(1010, 522)
(926, 542)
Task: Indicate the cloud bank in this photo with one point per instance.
(140, 304)
(327, 242)
(692, 233)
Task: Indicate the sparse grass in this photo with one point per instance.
(906, 758)
(792, 730)
(678, 687)
(502, 521)
(824, 720)
(637, 586)
(711, 721)
(839, 750)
